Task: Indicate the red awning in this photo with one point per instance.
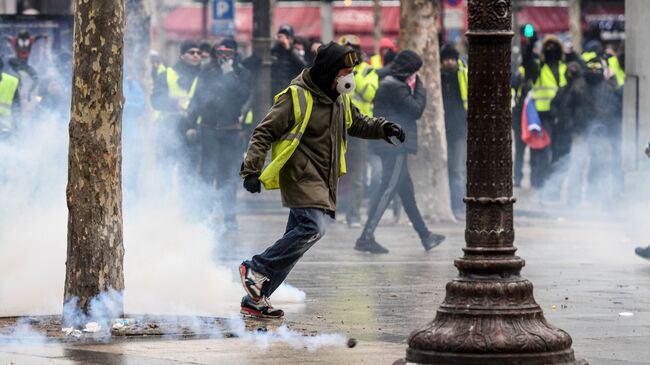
(546, 19)
(184, 22)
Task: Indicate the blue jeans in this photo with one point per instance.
(304, 228)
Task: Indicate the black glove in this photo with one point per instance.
(393, 130)
(252, 183)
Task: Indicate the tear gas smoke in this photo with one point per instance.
(169, 265)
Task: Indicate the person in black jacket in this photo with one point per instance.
(287, 61)
(401, 97)
(222, 92)
(591, 107)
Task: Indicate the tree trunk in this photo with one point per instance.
(94, 191)
(418, 32)
(575, 25)
(377, 34)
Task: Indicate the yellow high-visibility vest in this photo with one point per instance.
(614, 64)
(545, 87)
(281, 150)
(376, 62)
(8, 88)
(462, 81)
(588, 56)
(176, 91)
(367, 83)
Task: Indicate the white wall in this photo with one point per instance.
(637, 65)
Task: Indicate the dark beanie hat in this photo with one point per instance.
(186, 45)
(286, 29)
(407, 61)
(328, 62)
(447, 51)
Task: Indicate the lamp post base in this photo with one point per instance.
(490, 320)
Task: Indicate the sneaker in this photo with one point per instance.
(371, 246)
(252, 281)
(643, 252)
(432, 240)
(259, 308)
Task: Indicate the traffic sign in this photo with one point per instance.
(223, 17)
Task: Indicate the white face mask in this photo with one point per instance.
(345, 84)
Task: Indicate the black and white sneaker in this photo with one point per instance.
(252, 281)
(259, 308)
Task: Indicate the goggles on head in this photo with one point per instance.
(350, 59)
(350, 40)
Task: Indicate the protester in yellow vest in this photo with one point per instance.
(547, 77)
(306, 129)
(367, 82)
(175, 85)
(453, 81)
(9, 102)
(172, 94)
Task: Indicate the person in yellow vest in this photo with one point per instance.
(174, 88)
(367, 82)
(9, 103)
(547, 77)
(615, 65)
(307, 130)
(453, 81)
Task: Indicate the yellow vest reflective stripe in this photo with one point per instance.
(367, 83)
(347, 111)
(546, 87)
(176, 91)
(462, 82)
(614, 65)
(283, 149)
(8, 88)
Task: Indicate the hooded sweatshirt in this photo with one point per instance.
(309, 179)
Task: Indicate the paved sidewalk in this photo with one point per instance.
(583, 267)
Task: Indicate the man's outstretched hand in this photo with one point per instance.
(252, 184)
(394, 130)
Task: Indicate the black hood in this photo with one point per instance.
(405, 64)
(329, 61)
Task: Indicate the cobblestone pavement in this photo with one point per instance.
(586, 278)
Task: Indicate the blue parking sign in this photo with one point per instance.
(223, 17)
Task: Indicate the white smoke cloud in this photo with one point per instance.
(169, 247)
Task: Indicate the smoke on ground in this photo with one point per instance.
(170, 264)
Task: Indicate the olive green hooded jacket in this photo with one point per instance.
(310, 177)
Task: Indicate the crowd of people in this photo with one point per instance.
(567, 110)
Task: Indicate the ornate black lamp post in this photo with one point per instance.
(489, 315)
